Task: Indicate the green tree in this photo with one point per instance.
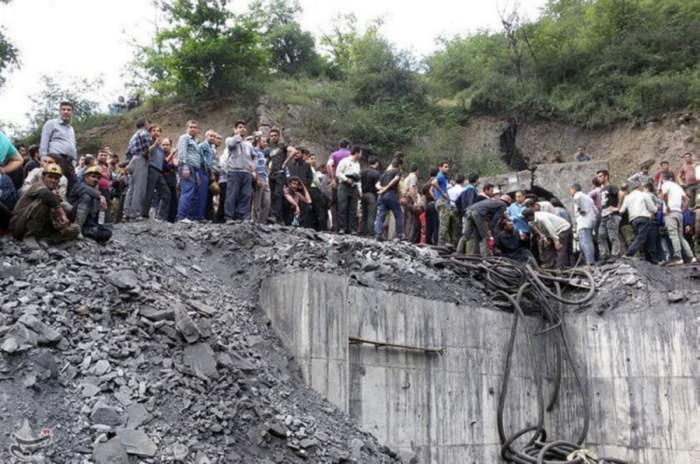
(9, 55)
(77, 91)
(292, 50)
(338, 45)
(205, 50)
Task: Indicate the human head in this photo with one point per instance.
(210, 136)
(356, 152)
(65, 109)
(529, 214)
(575, 187)
(294, 183)
(219, 139)
(373, 161)
(397, 163)
(311, 160)
(155, 131)
(344, 143)
(304, 153)
(51, 175)
(141, 123)
(474, 178)
(92, 176)
(460, 179)
(48, 159)
(433, 172)
(488, 190)
(507, 225)
(102, 156)
(240, 128)
(114, 159)
(274, 136)
(88, 160)
(414, 169)
(595, 182)
(444, 167)
(22, 149)
(664, 165)
(34, 152)
(603, 176)
(668, 175)
(298, 154)
(192, 128)
(557, 155)
(166, 144)
(688, 157)
(581, 149)
(519, 197)
(649, 187)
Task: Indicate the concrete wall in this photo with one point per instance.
(642, 368)
(554, 178)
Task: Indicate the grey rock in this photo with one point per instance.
(124, 280)
(9, 345)
(137, 416)
(277, 429)
(180, 451)
(675, 296)
(200, 358)
(105, 414)
(101, 367)
(110, 452)
(137, 443)
(157, 314)
(185, 325)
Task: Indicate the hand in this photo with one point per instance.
(523, 236)
(297, 211)
(186, 173)
(557, 245)
(103, 202)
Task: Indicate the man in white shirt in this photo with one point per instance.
(641, 208)
(676, 200)
(348, 178)
(554, 237)
(586, 214)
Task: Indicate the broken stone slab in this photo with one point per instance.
(125, 279)
(185, 325)
(105, 414)
(157, 314)
(201, 359)
(45, 335)
(202, 308)
(137, 443)
(101, 367)
(137, 416)
(277, 429)
(675, 296)
(110, 452)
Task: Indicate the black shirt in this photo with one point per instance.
(491, 209)
(610, 196)
(387, 177)
(300, 168)
(369, 178)
(277, 156)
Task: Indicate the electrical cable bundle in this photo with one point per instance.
(524, 286)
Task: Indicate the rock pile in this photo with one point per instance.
(138, 353)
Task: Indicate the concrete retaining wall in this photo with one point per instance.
(642, 367)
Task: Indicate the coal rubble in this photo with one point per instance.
(147, 350)
(152, 349)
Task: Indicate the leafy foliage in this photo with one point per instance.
(592, 63)
(9, 55)
(206, 50)
(77, 91)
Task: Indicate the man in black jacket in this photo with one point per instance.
(87, 204)
(481, 220)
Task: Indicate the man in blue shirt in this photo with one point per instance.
(515, 212)
(207, 150)
(442, 202)
(189, 173)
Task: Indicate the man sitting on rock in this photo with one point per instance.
(87, 204)
(39, 213)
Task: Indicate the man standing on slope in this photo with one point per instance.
(189, 173)
(331, 169)
(240, 168)
(58, 138)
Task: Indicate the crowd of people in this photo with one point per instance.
(53, 194)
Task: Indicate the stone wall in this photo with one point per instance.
(642, 368)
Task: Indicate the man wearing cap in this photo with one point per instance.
(87, 204)
(39, 213)
(58, 138)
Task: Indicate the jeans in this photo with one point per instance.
(585, 237)
(609, 230)
(261, 203)
(644, 238)
(203, 194)
(432, 224)
(239, 191)
(369, 212)
(320, 209)
(474, 231)
(347, 208)
(138, 185)
(388, 201)
(188, 206)
(158, 187)
(276, 182)
(8, 194)
(674, 226)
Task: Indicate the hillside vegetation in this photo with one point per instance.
(584, 63)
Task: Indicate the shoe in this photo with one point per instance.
(185, 221)
(674, 262)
